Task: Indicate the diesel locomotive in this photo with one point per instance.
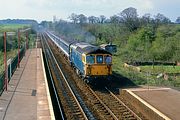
(90, 62)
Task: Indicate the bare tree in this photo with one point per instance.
(92, 19)
(102, 18)
(74, 18)
(97, 19)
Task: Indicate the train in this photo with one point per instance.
(89, 61)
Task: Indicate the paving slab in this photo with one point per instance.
(164, 101)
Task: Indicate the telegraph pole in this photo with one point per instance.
(18, 48)
(5, 63)
(26, 40)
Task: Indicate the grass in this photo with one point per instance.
(12, 27)
(161, 69)
(11, 54)
(142, 78)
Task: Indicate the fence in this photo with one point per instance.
(11, 69)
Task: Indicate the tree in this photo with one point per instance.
(139, 44)
(97, 19)
(74, 18)
(82, 19)
(102, 18)
(92, 19)
(130, 18)
(161, 19)
(178, 20)
(44, 24)
(146, 19)
(115, 19)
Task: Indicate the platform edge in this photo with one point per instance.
(148, 105)
(47, 90)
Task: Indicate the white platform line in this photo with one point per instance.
(47, 90)
(148, 105)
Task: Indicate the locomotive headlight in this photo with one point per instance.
(89, 69)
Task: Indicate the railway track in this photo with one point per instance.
(103, 104)
(108, 106)
(71, 101)
(120, 110)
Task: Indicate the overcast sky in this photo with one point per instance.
(46, 9)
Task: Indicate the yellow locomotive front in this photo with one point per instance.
(97, 65)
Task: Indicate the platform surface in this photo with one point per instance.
(27, 97)
(165, 100)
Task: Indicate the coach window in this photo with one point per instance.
(99, 59)
(90, 59)
(108, 59)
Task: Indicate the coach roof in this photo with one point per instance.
(87, 48)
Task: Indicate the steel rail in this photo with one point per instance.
(77, 102)
(135, 115)
(54, 89)
(106, 107)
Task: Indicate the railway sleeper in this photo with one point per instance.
(77, 113)
(126, 113)
(129, 118)
(123, 110)
(132, 118)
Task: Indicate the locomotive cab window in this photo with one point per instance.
(99, 59)
(90, 59)
(108, 59)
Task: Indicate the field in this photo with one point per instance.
(11, 42)
(12, 27)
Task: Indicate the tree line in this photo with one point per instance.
(128, 16)
(139, 38)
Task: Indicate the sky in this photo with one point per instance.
(45, 9)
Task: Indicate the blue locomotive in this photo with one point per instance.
(89, 61)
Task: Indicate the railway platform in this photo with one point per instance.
(156, 103)
(27, 96)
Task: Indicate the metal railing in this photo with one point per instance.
(11, 69)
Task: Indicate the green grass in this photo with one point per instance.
(12, 27)
(1, 62)
(142, 78)
(11, 54)
(161, 69)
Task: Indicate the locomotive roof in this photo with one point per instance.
(87, 48)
